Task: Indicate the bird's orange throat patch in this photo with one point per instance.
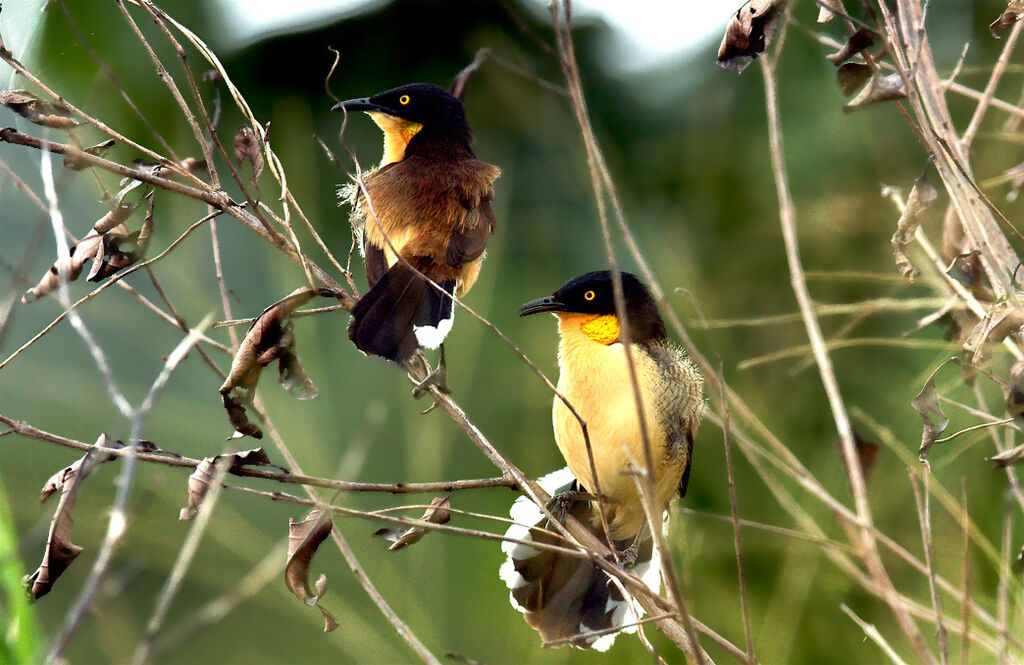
(600, 328)
(397, 134)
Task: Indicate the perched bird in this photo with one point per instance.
(565, 597)
(430, 204)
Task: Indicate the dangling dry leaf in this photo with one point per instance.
(969, 271)
(437, 513)
(879, 89)
(200, 480)
(269, 338)
(304, 538)
(60, 551)
(1013, 12)
(852, 76)
(109, 245)
(77, 164)
(829, 9)
(749, 33)
(926, 403)
(1000, 320)
(247, 147)
(1008, 457)
(920, 198)
(857, 42)
(36, 110)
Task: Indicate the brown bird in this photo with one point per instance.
(428, 204)
(567, 597)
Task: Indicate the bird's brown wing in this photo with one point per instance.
(376, 262)
(468, 242)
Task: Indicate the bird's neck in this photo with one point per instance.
(443, 145)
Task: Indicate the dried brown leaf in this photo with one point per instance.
(200, 480)
(857, 42)
(829, 9)
(60, 551)
(879, 89)
(967, 269)
(77, 164)
(270, 338)
(247, 147)
(1013, 12)
(1008, 457)
(304, 538)
(926, 403)
(921, 197)
(438, 513)
(37, 110)
(852, 76)
(749, 33)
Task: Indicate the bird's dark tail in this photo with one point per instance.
(401, 312)
(564, 597)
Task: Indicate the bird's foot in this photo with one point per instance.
(562, 503)
(438, 378)
(629, 556)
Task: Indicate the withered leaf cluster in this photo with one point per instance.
(37, 110)
(749, 33)
(1013, 12)
(304, 539)
(200, 479)
(269, 338)
(858, 41)
(438, 513)
(60, 552)
(109, 245)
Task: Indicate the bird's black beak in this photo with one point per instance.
(360, 104)
(546, 304)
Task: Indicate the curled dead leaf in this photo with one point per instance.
(879, 89)
(852, 75)
(1008, 457)
(438, 513)
(829, 9)
(926, 403)
(269, 338)
(200, 480)
(77, 164)
(1010, 15)
(920, 199)
(247, 147)
(304, 538)
(36, 110)
(60, 551)
(857, 42)
(749, 33)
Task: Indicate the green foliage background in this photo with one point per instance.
(687, 146)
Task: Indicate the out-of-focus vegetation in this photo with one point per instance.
(687, 147)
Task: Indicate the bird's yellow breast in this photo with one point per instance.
(594, 377)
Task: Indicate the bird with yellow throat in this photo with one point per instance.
(568, 598)
(424, 219)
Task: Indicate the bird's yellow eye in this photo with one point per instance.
(589, 295)
(403, 100)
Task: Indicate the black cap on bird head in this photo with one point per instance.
(593, 293)
(426, 104)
